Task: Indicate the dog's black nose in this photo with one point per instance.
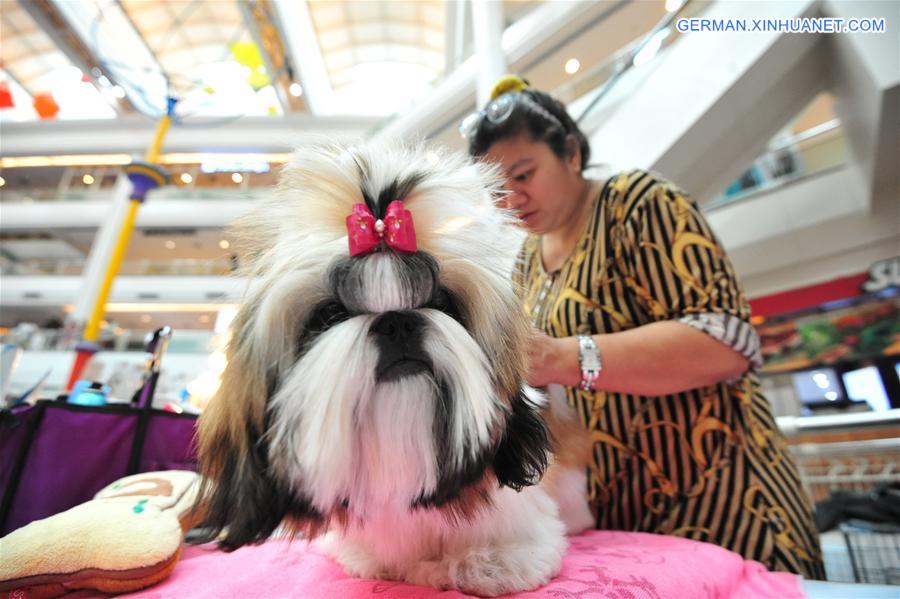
(397, 327)
(399, 336)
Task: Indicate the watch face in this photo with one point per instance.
(588, 355)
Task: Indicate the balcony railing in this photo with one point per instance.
(816, 150)
(177, 267)
(105, 195)
(29, 337)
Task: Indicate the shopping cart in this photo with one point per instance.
(857, 550)
(874, 551)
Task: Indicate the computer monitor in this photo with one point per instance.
(818, 386)
(865, 384)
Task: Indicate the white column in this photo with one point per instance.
(455, 34)
(302, 43)
(101, 249)
(487, 28)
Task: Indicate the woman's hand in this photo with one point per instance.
(552, 360)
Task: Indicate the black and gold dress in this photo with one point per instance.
(707, 464)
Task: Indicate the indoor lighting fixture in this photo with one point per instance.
(673, 5)
(222, 157)
(234, 166)
(237, 177)
(572, 66)
(224, 244)
(170, 244)
(88, 179)
(295, 90)
(2, 181)
(73, 160)
(143, 307)
(186, 178)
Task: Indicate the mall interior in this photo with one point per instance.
(789, 142)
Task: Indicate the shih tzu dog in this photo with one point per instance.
(375, 380)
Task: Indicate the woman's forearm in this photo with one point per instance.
(654, 359)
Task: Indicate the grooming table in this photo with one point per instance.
(598, 564)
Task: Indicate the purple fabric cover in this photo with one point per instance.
(169, 443)
(78, 450)
(14, 427)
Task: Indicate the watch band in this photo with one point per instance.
(589, 357)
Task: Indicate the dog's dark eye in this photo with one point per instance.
(324, 316)
(446, 302)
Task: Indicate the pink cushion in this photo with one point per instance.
(598, 564)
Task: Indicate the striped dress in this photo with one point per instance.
(707, 464)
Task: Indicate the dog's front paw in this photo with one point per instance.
(490, 571)
(356, 560)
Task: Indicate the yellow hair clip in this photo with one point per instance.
(506, 84)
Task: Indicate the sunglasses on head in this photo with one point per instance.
(497, 111)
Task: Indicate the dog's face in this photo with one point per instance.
(387, 380)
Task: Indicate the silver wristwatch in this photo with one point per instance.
(589, 357)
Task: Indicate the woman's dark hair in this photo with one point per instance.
(529, 119)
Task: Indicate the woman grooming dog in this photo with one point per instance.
(639, 315)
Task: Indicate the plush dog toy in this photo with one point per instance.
(128, 537)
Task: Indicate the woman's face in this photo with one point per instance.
(543, 188)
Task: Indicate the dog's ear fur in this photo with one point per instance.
(238, 493)
(521, 457)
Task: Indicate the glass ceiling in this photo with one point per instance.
(224, 58)
(379, 54)
(207, 54)
(32, 65)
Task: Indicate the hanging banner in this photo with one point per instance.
(867, 330)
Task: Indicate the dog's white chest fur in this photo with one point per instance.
(518, 545)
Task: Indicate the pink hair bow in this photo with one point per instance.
(365, 233)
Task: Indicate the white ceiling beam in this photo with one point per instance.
(297, 30)
(131, 134)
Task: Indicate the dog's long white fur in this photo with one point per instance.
(342, 438)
